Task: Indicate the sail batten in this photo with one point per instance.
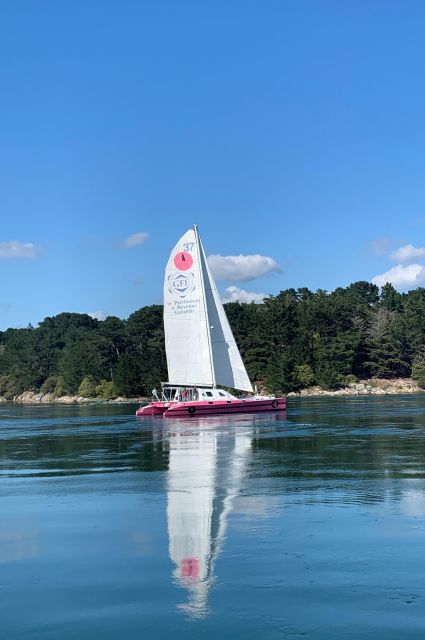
(199, 342)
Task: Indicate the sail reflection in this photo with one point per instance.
(207, 462)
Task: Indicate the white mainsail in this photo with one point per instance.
(199, 343)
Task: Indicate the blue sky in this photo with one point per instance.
(291, 130)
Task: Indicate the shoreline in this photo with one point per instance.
(370, 387)
(32, 397)
(373, 386)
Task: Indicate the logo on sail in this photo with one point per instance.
(181, 285)
(183, 261)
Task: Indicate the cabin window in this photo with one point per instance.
(208, 393)
(221, 394)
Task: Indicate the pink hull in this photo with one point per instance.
(153, 409)
(217, 407)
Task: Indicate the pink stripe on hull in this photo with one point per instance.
(214, 408)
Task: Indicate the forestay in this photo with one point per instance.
(199, 343)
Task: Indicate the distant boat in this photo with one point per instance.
(200, 347)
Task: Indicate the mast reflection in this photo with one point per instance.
(207, 462)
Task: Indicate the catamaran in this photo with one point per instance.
(200, 348)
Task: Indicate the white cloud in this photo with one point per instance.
(402, 276)
(97, 315)
(234, 294)
(16, 249)
(408, 253)
(135, 239)
(241, 268)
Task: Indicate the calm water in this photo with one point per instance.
(309, 525)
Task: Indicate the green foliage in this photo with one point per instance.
(390, 298)
(10, 387)
(388, 349)
(295, 339)
(106, 390)
(418, 369)
(87, 388)
(304, 375)
(280, 373)
(328, 378)
(59, 389)
(128, 377)
(49, 385)
(350, 379)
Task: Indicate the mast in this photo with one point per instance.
(204, 302)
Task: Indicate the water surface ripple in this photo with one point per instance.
(309, 524)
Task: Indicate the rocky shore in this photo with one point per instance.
(32, 397)
(373, 386)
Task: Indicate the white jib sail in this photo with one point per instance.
(199, 343)
(229, 370)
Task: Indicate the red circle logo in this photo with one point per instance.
(183, 261)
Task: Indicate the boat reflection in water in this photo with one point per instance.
(207, 464)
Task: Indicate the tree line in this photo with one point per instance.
(295, 339)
